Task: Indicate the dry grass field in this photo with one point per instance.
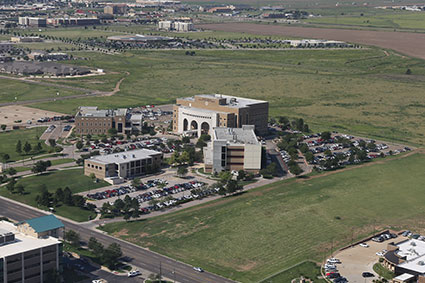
(407, 43)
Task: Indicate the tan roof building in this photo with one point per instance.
(201, 113)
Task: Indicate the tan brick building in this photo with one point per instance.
(233, 149)
(123, 165)
(201, 113)
(25, 258)
(91, 120)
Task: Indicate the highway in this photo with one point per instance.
(138, 256)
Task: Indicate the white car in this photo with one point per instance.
(333, 260)
(134, 273)
(364, 245)
(380, 254)
(330, 266)
(198, 269)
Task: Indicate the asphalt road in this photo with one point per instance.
(136, 255)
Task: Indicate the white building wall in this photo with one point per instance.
(252, 157)
(199, 116)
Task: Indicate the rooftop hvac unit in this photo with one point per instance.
(421, 263)
(7, 238)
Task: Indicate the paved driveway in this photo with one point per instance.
(357, 260)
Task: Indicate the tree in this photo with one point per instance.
(59, 195)
(112, 132)
(52, 142)
(408, 72)
(111, 255)
(78, 200)
(72, 237)
(5, 157)
(20, 189)
(326, 135)
(3, 127)
(79, 144)
(12, 171)
(27, 147)
(11, 185)
(95, 246)
(67, 196)
(38, 147)
(241, 174)
(182, 171)
(19, 147)
(41, 166)
(135, 182)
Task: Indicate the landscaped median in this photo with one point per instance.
(74, 179)
(256, 234)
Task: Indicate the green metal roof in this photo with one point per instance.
(44, 223)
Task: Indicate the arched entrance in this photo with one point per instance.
(205, 128)
(194, 125)
(185, 124)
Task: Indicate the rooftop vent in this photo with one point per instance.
(7, 238)
(421, 263)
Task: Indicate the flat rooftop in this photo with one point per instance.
(22, 243)
(139, 38)
(244, 135)
(414, 250)
(124, 157)
(231, 101)
(90, 111)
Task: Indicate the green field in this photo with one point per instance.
(259, 233)
(376, 19)
(24, 91)
(74, 179)
(8, 142)
(356, 91)
(306, 269)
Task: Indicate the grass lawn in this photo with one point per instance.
(306, 269)
(61, 161)
(376, 19)
(259, 233)
(28, 91)
(354, 91)
(383, 272)
(74, 179)
(8, 142)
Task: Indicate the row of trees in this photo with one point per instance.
(128, 208)
(27, 148)
(65, 196)
(106, 256)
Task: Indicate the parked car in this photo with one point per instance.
(198, 269)
(367, 274)
(364, 245)
(134, 273)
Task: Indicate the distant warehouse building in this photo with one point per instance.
(32, 22)
(201, 113)
(123, 165)
(233, 149)
(138, 38)
(115, 9)
(26, 39)
(25, 257)
(73, 21)
(93, 121)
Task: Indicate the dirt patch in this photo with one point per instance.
(247, 267)
(142, 235)
(123, 232)
(404, 42)
(10, 114)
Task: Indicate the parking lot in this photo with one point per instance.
(151, 190)
(359, 259)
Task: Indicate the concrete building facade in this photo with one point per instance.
(233, 149)
(91, 120)
(123, 165)
(175, 26)
(201, 113)
(117, 9)
(24, 258)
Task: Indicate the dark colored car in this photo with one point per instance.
(367, 274)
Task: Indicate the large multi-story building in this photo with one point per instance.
(123, 165)
(201, 113)
(115, 9)
(32, 21)
(25, 257)
(91, 120)
(233, 149)
(175, 26)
